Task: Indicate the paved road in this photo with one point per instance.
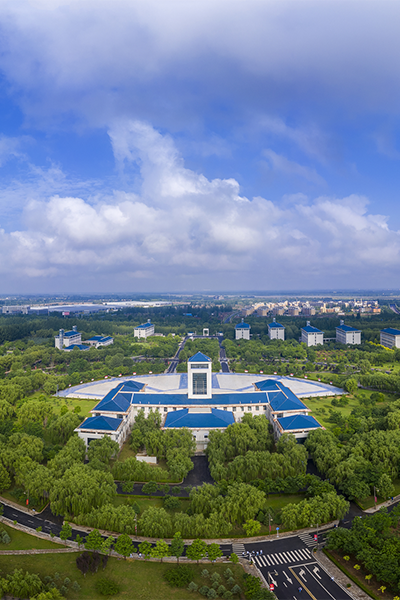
(175, 361)
(223, 359)
(288, 563)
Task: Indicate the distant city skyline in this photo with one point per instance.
(210, 146)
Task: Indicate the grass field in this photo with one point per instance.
(137, 579)
(24, 541)
(71, 403)
(150, 501)
(8, 496)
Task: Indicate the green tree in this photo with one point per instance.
(145, 549)
(66, 532)
(197, 550)
(214, 552)
(124, 545)
(94, 541)
(252, 527)
(177, 546)
(160, 550)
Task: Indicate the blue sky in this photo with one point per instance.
(213, 145)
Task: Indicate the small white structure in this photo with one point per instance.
(242, 331)
(206, 332)
(347, 335)
(65, 339)
(99, 340)
(311, 336)
(199, 376)
(390, 338)
(276, 331)
(145, 330)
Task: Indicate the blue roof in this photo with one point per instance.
(199, 357)
(391, 331)
(101, 423)
(184, 418)
(274, 324)
(80, 346)
(144, 326)
(99, 338)
(347, 328)
(279, 396)
(234, 398)
(119, 398)
(242, 326)
(310, 329)
(298, 422)
(71, 333)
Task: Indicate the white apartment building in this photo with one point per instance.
(390, 338)
(311, 336)
(145, 330)
(276, 331)
(65, 339)
(242, 331)
(347, 335)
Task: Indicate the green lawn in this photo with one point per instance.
(126, 451)
(71, 403)
(145, 578)
(24, 541)
(150, 501)
(8, 496)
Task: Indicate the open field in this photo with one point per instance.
(145, 578)
(24, 541)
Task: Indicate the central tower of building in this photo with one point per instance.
(200, 376)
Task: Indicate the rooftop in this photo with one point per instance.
(199, 420)
(310, 329)
(274, 324)
(144, 326)
(391, 331)
(199, 357)
(101, 423)
(298, 422)
(348, 329)
(242, 326)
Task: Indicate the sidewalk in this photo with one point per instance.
(340, 578)
(374, 509)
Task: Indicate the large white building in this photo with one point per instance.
(311, 336)
(276, 331)
(242, 331)
(201, 412)
(390, 338)
(66, 339)
(144, 330)
(347, 335)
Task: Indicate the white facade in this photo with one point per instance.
(390, 338)
(144, 331)
(276, 331)
(98, 341)
(199, 377)
(65, 339)
(242, 331)
(311, 336)
(347, 335)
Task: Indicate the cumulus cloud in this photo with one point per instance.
(184, 231)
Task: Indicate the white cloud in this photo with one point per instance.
(103, 59)
(186, 230)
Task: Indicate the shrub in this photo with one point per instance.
(192, 587)
(204, 590)
(216, 578)
(237, 590)
(179, 576)
(221, 590)
(230, 581)
(171, 502)
(76, 587)
(107, 587)
(64, 590)
(205, 573)
(4, 537)
(227, 595)
(228, 573)
(150, 488)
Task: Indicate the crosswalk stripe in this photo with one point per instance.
(303, 554)
(283, 557)
(292, 555)
(267, 561)
(297, 555)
